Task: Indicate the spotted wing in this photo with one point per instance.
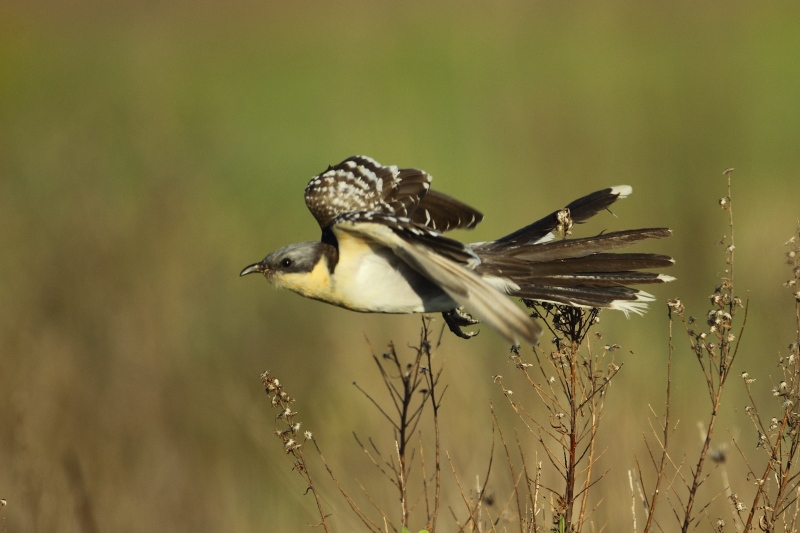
(361, 184)
(447, 263)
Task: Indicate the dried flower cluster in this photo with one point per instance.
(793, 260)
(567, 323)
(779, 434)
(565, 223)
(282, 401)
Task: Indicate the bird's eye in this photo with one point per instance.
(286, 263)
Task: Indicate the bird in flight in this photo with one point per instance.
(383, 250)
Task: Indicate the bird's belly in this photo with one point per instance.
(379, 282)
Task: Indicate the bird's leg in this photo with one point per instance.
(455, 318)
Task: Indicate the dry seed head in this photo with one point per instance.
(565, 223)
(676, 305)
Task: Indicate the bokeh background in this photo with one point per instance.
(149, 151)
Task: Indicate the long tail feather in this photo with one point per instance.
(580, 211)
(578, 272)
(623, 299)
(571, 248)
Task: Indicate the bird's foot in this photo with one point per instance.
(456, 318)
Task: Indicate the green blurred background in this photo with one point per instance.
(149, 151)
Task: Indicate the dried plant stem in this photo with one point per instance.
(411, 387)
(291, 436)
(687, 517)
(435, 404)
(665, 435)
(780, 438)
(715, 358)
(589, 464)
(372, 526)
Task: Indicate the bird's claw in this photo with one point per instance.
(456, 318)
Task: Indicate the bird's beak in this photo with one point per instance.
(256, 267)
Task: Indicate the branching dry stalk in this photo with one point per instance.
(663, 443)
(715, 349)
(715, 346)
(779, 483)
(572, 391)
(411, 387)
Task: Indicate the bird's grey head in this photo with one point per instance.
(298, 258)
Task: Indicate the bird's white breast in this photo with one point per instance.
(371, 278)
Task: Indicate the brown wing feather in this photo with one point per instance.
(443, 213)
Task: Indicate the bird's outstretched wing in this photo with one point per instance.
(448, 264)
(361, 184)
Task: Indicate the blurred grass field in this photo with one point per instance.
(149, 152)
